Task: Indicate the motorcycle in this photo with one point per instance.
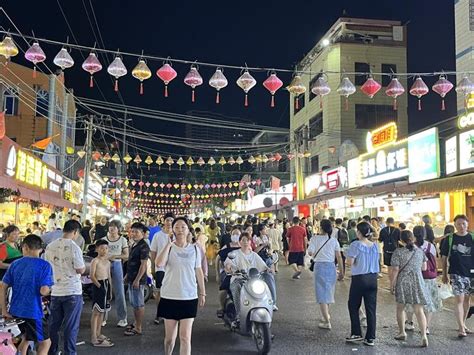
(256, 309)
(8, 331)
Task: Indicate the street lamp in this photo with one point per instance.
(326, 42)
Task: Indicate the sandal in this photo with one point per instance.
(103, 344)
(468, 331)
(462, 335)
(102, 337)
(401, 337)
(131, 332)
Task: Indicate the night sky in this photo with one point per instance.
(260, 33)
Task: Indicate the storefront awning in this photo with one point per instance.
(392, 187)
(455, 183)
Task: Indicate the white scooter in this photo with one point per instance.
(256, 309)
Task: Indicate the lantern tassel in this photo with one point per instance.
(347, 104)
(320, 102)
(169, 167)
(116, 85)
(272, 103)
(443, 106)
(395, 105)
(297, 106)
(166, 90)
(91, 82)
(246, 103)
(192, 96)
(148, 167)
(34, 72)
(141, 88)
(419, 105)
(218, 98)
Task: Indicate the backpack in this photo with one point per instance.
(450, 242)
(342, 236)
(431, 271)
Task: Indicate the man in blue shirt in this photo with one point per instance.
(30, 278)
(50, 237)
(153, 228)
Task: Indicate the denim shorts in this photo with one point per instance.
(136, 296)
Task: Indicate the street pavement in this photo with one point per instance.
(294, 326)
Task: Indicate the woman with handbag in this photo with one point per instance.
(408, 285)
(323, 249)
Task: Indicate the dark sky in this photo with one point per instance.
(261, 33)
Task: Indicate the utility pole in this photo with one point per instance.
(87, 168)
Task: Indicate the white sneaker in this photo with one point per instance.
(104, 323)
(122, 323)
(409, 326)
(324, 325)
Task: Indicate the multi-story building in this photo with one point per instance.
(36, 107)
(320, 127)
(464, 30)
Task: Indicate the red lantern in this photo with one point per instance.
(394, 89)
(419, 89)
(442, 87)
(2, 125)
(272, 84)
(370, 87)
(167, 74)
(193, 79)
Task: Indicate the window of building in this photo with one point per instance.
(69, 130)
(42, 103)
(373, 116)
(299, 132)
(59, 114)
(311, 83)
(389, 69)
(315, 164)
(10, 102)
(301, 103)
(361, 68)
(316, 125)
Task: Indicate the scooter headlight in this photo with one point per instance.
(257, 287)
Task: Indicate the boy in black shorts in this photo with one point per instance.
(101, 293)
(30, 278)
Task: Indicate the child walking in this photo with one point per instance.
(30, 278)
(101, 293)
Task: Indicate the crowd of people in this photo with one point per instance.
(177, 253)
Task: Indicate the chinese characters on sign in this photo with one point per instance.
(381, 136)
(326, 181)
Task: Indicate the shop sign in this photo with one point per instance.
(381, 136)
(385, 164)
(466, 120)
(326, 181)
(353, 173)
(466, 150)
(11, 162)
(423, 156)
(451, 155)
(95, 191)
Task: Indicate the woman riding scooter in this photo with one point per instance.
(244, 260)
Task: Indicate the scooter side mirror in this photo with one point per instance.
(232, 255)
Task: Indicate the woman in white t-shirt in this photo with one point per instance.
(324, 249)
(179, 292)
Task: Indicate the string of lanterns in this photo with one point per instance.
(246, 81)
(181, 186)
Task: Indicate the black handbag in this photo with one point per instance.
(311, 262)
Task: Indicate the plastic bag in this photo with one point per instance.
(445, 291)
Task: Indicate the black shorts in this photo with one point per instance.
(296, 258)
(225, 282)
(159, 276)
(101, 296)
(177, 309)
(387, 258)
(35, 329)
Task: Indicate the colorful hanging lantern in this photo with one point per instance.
(246, 82)
(106, 157)
(346, 89)
(180, 162)
(231, 161)
(81, 153)
(141, 72)
(211, 162)
(8, 48)
(35, 55)
(321, 88)
(190, 162)
(277, 157)
(296, 88)
(201, 161)
(258, 158)
(442, 87)
(264, 159)
(272, 84)
(63, 59)
(115, 158)
(96, 156)
(251, 160)
(370, 87)
(290, 156)
(167, 74)
(218, 81)
(92, 66)
(117, 69)
(419, 89)
(127, 158)
(148, 161)
(193, 79)
(170, 162)
(137, 160)
(394, 89)
(222, 162)
(239, 161)
(159, 161)
(465, 87)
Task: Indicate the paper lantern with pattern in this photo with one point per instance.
(117, 69)
(35, 55)
(92, 66)
(193, 79)
(272, 84)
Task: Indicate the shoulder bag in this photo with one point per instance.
(311, 265)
